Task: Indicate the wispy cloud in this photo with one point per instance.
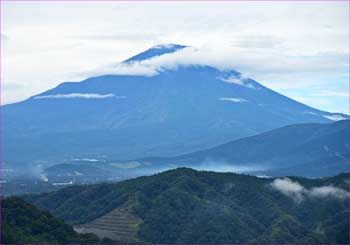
(222, 59)
(79, 96)
(237, 80)
(332, 93)
(297, 192)
(233, 99)
(123, 36)
(329, 191)
(335, 117)
(131, 69)
(258, 41)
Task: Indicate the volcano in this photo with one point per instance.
(173, 112)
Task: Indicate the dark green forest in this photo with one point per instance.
(188, 206)
(23, 223)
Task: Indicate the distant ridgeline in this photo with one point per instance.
(188, 206)
(309, 150)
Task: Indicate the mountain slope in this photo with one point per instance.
(302, 149)
(157, 50)
(23, 223)
(118, 117)
(187, 206)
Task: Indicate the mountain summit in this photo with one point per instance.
(117, 117)
(156, 50)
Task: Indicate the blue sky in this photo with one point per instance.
(300, 49)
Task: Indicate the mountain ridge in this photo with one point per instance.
(308, 147)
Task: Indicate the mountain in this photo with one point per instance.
(310, 150)
(157, 50)
(185, 206)
(118, 117)
(23, 223)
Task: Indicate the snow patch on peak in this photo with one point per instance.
(239, 100)
(167, 46)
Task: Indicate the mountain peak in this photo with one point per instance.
(154, 51)
(169, 46)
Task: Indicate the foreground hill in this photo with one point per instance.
(188, 206)
(309, 150)
(171, 112)
(23, 223)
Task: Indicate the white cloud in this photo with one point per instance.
(132, 69)
(233, 80)
(78, 96)
(43, 177)
(237, 80)
(332, 93)
(335, 117)
(297, 192)
(233, 99)
(226, 58)
(258, 42)
(86, 159)
(289, 188)
(329, 191)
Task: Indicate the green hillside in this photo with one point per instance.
(23, 223)
(188, 206)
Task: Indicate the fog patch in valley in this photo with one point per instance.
(226, 167)
(37, 171)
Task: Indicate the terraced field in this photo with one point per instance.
(119, 224)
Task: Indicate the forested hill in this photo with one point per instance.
(23, 223)
(188, 206)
